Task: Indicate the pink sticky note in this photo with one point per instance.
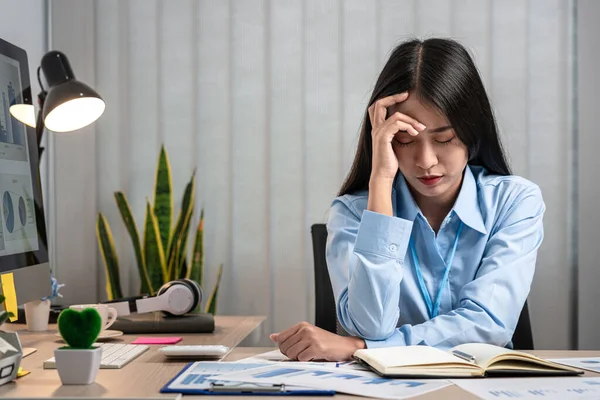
(156, 340)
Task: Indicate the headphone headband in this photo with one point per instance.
(173, 298)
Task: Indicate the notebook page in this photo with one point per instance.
(484, 353)
(408, 356)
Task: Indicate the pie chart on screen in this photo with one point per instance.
(9, 212)
(22, 211)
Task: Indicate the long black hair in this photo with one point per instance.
(443, 75)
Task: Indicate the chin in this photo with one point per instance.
(431, 191)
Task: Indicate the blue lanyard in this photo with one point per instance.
(433, 309)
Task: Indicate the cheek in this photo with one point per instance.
(455, 158)
(405, 158)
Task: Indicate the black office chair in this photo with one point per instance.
(325, 313)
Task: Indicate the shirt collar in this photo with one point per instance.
(466, 205)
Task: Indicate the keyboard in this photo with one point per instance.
(114, 355)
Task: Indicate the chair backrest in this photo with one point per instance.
(325, 312)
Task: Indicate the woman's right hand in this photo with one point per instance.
(385, 163)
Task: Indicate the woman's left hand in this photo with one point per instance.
(306, 342)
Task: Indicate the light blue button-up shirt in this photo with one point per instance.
(373, 275)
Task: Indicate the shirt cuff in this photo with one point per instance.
(397, 339)
(383, 235)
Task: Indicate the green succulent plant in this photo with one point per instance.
(161, 252)
(79, 329)
(4, 315)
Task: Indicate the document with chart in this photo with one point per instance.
(203, 378)
(589, 363)
(342, 380)
(532, 388)
(275, 356)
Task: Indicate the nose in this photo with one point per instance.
(425, 156)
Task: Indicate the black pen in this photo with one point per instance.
(464, 356)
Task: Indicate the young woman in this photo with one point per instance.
(431, 240)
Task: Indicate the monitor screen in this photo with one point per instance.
(23, 242)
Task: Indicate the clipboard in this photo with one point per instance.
(242, 388)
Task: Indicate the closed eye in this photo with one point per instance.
(445, 141)
(405, 143)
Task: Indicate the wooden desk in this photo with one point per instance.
(143, 377)
(148, 373)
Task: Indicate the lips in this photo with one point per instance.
(430, 180)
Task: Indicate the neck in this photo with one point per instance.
(436, 208)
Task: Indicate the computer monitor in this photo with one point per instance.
(23, 240)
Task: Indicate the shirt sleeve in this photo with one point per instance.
(364, 257)
(489, 306)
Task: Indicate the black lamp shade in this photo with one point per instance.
(57, 68)
(69, 104)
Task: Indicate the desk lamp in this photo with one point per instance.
(67, 105)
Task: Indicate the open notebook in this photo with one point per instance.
(463, 361)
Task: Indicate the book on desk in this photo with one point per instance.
(469, 360)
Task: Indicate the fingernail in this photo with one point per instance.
(273, 336)
(422, 126)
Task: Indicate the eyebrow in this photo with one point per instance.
(441, 129)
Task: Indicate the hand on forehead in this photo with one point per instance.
(424, 113)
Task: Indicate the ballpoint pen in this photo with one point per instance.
(464, 356)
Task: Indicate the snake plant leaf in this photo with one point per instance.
(211, 306)
(170, 266)
(163, 198)
(183, 239)
(154, 253)
(196, 272)
(183, 273)
(187, 207)
(109, 255)
(127, 216)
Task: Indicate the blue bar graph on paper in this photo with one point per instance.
(505, 393)
(580, 391)
(409, 384)
(318, 373)
(277, 372)
(376, 381)
(347, 376)
(189, 379)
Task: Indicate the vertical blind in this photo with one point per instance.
(265, 98)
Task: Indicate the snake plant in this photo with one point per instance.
(161, 249)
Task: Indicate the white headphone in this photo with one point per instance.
(173, 298)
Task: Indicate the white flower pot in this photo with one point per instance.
(37, 313)
(77, 366)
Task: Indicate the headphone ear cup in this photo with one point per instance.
(192, 286)
(197, 289)
(164, 288)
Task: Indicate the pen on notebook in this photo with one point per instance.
(463, 355)
(338, 364)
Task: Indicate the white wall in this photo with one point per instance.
(588, 291)
(72, 163)
(23, 24)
